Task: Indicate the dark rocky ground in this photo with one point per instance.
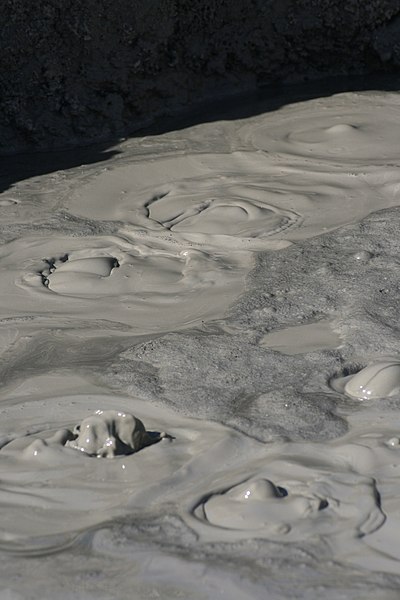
(80, 72)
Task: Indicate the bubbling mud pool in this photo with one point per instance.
(256, 203)
(162, 240)
(52, 468)
(52, 478)
(146, 287)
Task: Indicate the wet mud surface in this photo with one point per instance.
(199, 363)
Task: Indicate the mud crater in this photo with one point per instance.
(58, 271)
(213, 216)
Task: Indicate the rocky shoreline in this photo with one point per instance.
(96, 71)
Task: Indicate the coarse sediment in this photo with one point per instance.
(229, 377)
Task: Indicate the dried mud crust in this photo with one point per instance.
(94, 70)
(350, 275)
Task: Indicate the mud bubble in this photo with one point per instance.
(377, 380)
(111, 433)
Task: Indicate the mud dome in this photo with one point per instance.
(259, 508)
(284, 492)
(377, 380)
(180, 199)
(110, 433)
(147, 287)
(128, 289)
(56, 486)
(341, 131)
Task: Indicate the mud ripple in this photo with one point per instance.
(148, 286)
(56, 479)
(293, 509)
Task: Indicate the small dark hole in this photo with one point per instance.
(283, 493)
(323, 504)
(50, 262)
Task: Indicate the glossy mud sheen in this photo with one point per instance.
(304, 338)
(378, 380)
(102, 266)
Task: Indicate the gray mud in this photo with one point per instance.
(92, 318)
(349, 276)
